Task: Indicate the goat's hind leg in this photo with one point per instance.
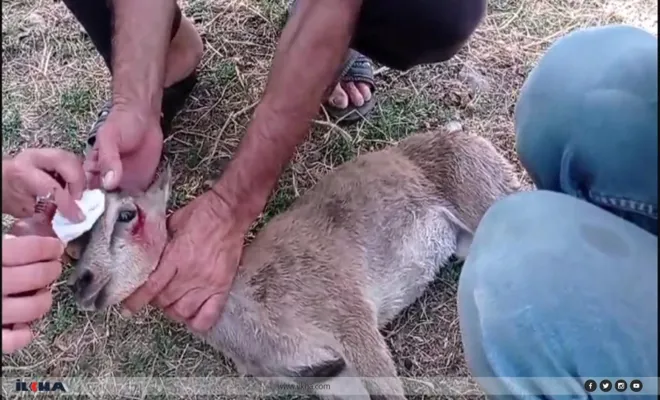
(345, 386)
(362, 369)
(368, 359)
(319, 367)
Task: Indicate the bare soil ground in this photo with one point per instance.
(53, 83)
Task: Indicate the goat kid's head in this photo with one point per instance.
(123, 247)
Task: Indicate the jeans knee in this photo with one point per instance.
(586, 119)
(495, 294)
(524, 308)
(511, 226)
(494, 266)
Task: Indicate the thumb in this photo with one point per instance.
(109, 160)
(16, 337)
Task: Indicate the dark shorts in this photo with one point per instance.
(397, 33)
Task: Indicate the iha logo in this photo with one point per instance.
(39, 386)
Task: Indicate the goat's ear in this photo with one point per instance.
(159, 191)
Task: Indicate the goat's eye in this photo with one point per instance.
(126, 216)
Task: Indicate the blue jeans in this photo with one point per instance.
(561, 283)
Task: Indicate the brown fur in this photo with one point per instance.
(321, 279)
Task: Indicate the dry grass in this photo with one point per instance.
(53, 82)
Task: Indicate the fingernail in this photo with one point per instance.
(339, 104)
(126, 313)
(108, 178)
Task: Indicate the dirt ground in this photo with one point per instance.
(53, 83)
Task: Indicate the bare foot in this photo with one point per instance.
(346, 93)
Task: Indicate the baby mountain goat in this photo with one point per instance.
(320, 280)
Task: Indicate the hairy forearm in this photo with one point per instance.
(308, 57)
(141, 39)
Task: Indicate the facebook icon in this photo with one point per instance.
(590, 385)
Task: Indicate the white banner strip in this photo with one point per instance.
(234, 386)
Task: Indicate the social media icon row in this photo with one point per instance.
(606, 385)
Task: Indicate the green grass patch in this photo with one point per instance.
(76, 101)
(11, 127)
(398, 117)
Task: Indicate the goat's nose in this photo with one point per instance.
(83, 281)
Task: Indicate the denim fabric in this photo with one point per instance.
(562, 282)
(557, 287)
(587, 121)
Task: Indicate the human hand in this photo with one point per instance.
(127, 150)
(195, 273)
(29, 265)
(30, 174)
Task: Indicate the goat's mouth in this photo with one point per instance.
(94, 297)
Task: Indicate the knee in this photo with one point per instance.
(497, 288)
(591, 100)
(509, 229)
(447, 31)
(500, 269)
(402, 35)
(521, 293)
(535, 239)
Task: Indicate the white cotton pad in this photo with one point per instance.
(92, 204)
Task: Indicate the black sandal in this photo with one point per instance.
(357, 68)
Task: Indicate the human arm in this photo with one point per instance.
(197, 268)
(308, 57)
(142, 31)
(130, 139)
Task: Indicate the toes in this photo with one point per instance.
(338, 98)
(353, 94)
(365, 90)
(350, 93)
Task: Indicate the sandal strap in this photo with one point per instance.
(356, 68)
(360, 70)
(100, 119)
